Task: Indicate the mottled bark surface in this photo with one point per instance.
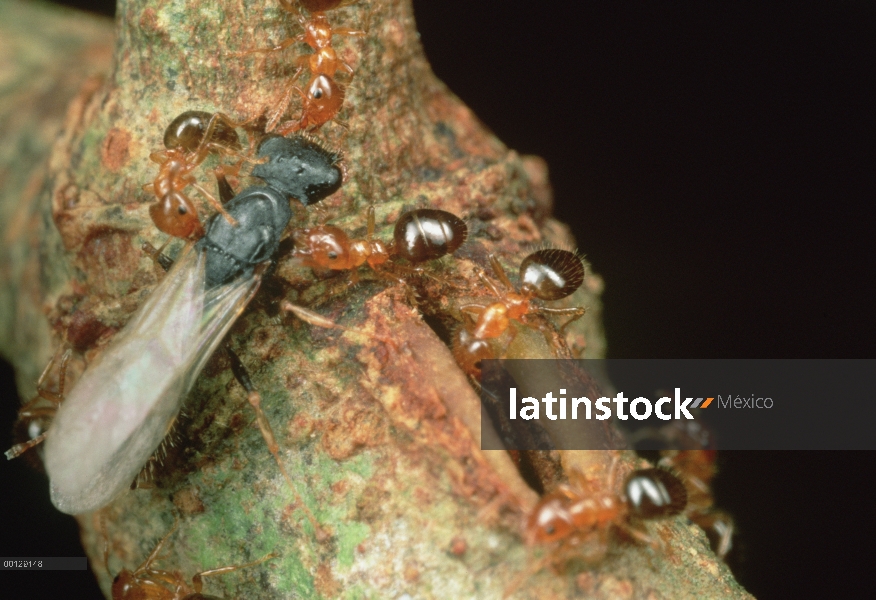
(382, 438)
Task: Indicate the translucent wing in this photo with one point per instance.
(127, 399)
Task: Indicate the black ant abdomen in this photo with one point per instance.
(428, 233)
(188, 129)
(655, 493)
(300, 168)
(551, 274)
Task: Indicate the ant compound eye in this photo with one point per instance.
(181, 209)
(333, 255)
(317, 93)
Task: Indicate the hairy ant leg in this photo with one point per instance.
(149, 583)
(255, 400)
(31, 411)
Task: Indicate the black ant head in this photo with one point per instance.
(299, 167)
(551, 274)
(655, 493)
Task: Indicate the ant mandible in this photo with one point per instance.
(548, 274)
(418, 236)
(188, 140)
(147, 583)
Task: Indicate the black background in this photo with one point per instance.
(716, 163)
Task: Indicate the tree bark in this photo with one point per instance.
(382, 438)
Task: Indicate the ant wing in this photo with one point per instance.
(127, 399)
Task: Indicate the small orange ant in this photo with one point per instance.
(548, 274)
(575, 519)
(147, 583)
(324, 96)
(38, 413)
(419, 235)
(188, 140)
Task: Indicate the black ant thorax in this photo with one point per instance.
(262, 214)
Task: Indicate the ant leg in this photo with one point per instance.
(575, 312)
(216, 204)
(197, 578)
(255, 400)
(156, 255)
(370, 231)
(491, 284)
(288, 6)
(638, 535)
(226, 192)
(159, 156)
(472, 311)
(500, 272)
(31, 412)
(154, 554)
(349, 32)
(19, 449)
(102, 521)
(149, 187)
(275, 116)
(58, 396)
(317, 320)
(281, 46)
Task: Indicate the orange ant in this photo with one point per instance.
(549, 274)
(576, 518)
(324, 96)
(147, 583)
(36, 414)
(419, 235)
(188, 140)
(697, 468)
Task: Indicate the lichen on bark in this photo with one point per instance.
(382, 438)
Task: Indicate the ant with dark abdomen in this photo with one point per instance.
(188, 141)
(324, 96)
(548, 274)
(418, 236)
(575, 519)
